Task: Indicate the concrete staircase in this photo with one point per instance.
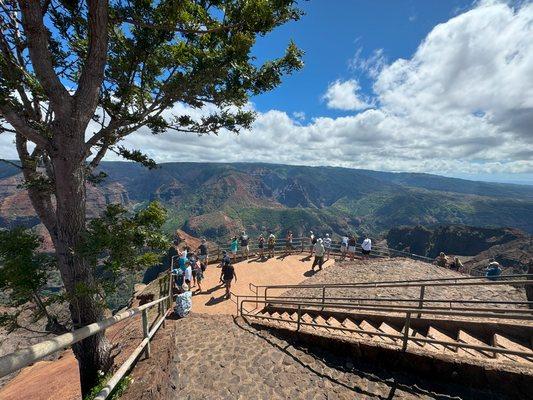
(508, 346)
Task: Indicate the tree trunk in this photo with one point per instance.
(93, 353)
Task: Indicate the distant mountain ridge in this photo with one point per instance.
(219, 199)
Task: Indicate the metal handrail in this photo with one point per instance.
(405, 337)
(21, 358)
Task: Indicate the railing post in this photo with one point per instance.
(146, 331)
(421, 301)
(323, 296)
(299, 318)
(406, 331)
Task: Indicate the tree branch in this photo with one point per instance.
(22, 127)
(92, 75)
(41, 58)
(173, 28)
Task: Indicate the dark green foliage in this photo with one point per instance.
(24, 272)
(120, 244)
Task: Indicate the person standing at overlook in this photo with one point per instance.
(244, 239)
(234, 247)
(203, 254)
(344, 247)
(271, 245)
(327, 245)
(352, 243)
(288, 243)
(319, 255)
(366, 247)
(312, 241)
(261, 246)
(226, 276)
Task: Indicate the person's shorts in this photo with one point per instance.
(365, 252)
(227, 282)
(260, 246)
(351, 249)
(271, 247)
(247, 248)
(288, 245)
(194, 273)
(344, 247)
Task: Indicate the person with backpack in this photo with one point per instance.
(226, 276)
(271, 245)
(244, 239)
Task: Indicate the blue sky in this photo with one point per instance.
(433, 86)
(331, 32)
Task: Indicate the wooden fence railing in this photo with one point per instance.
(19, 359)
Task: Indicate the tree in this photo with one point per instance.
(77, 77)
(24, 272)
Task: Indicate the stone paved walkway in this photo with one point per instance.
(219, 358)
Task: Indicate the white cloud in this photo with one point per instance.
(344, 96)
(461, 105)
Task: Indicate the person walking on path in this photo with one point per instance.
(352, 243)
(288, 243)
(319, 255)
(344, 247)
(226, 276)
(312, 242)
(197, 274)
(244, 239)
(203, 254)
(225, 259)
(327, 245)
(261, 246)
(234, 247)
(271, 245)
(367, 247)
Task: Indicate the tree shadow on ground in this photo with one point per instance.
(375, 375)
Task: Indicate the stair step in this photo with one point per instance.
(506, 343)
(386, 328)
(337, 324)
(434, 333)
(464, 337)
(367, 326)
(413, 334)
(348, 323)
